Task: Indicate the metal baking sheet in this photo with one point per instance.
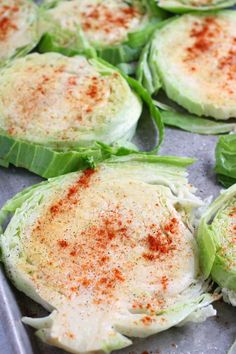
(213, 336)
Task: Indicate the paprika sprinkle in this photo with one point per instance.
(101, 17)
(71, 196)
(7, 24)
(203, 33)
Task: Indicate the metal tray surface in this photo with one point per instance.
(213, 336)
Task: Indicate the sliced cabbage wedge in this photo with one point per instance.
(226, 160)
(110, 252)
(182, 6)
(54, 108)
(19, 32)
(190, 58)
(216, 239)
(115, 30)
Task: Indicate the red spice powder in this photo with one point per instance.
(94, 267)
(6, 22)
(164, 282)
(82, 183)
(139, 307)
(97, 240)
(63, 243)
(102, 18)
(157, 244)
(149, 256)
(59, 69)
(74, 288)
(229, 59)
(6, 25)
(92, 91)
(228, 64)
(203, 34)
(73, 253)
(89, 110)
(110, 280)
(118, 275)
(172, 226)
(13, 8)
(106, 232)
(86, 282)
(11, 131)
(160, 241)
(234, 229)
(154, 242)
(72, 80)
(233, 212)
(146, 320)
(34, 97)
(41, 86)
(56, 207)
(70, 335)
(103, 260)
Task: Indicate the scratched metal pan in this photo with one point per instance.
(213, 336)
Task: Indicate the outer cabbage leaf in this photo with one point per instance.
(45, 161)
(194, 124)
(50, 44)
(217, 256)
(147, 72)
(226, 160)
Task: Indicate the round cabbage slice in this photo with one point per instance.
(18, 28)
(103, 22)
(216, 238)
(192, 58)
(116, 29)
(181, 6)
(55, 100)
(57, 114)
(109, 251)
